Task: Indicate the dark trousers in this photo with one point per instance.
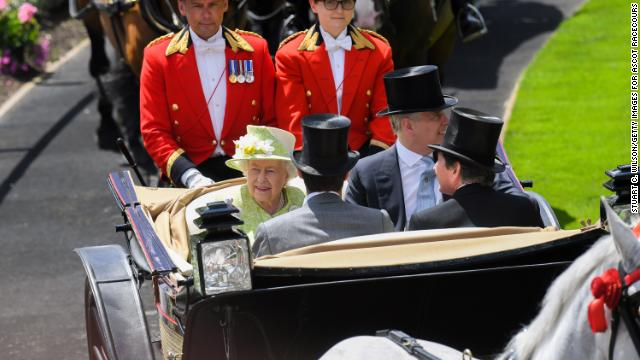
(215, 169)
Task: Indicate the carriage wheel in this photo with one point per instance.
(95, 333)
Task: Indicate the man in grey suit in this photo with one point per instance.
(323, 163)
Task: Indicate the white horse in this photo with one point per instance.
(562, 329)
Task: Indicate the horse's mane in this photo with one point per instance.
(560, 296)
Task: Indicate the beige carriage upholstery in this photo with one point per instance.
(412, 247)
(165, 207)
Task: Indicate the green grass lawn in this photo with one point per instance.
(571, 119)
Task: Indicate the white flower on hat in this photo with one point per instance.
(249, 145)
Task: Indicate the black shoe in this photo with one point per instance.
(470, 23)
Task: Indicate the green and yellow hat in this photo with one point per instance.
(262, 143)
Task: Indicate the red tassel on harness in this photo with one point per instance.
(606, 289)
(633, 277)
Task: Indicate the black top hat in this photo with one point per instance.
(472, 136)
(415, 89)
(325, 150)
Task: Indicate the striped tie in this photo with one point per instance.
(426, 189)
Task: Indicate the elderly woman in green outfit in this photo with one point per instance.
(263, 157)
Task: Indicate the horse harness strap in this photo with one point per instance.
(409, 344)
(627, 309)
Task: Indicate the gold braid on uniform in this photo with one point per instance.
(289, 38)
(236, 41)
(310, 41)
(375, 34)
(179, 43)
(159, 38)
(248, 32)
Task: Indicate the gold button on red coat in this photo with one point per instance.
(366, 119)
(176, 123)
(254, 118)
(178, 138)
(308, 93)
(367, 105)
(253, 103)
(214, 142)
(368, 92)
(222, 142)
(174, 107)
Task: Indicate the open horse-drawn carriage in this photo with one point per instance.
(469, 288)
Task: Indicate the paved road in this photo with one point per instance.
(54, 198)
(483, 73)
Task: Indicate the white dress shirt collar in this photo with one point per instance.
(200, 43)
(407, 156)
(342, 41)
(411, 168)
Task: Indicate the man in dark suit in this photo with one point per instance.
(323, 163)
(465, 168)
(394, 178)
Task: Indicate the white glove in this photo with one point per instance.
(193, 178)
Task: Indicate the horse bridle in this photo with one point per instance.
(627, 310)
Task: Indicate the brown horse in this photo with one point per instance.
(131, 25)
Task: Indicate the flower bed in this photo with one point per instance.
(22, 48)
(61, 32)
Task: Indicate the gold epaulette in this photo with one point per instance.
(310, 41)
(158, 39)
(375, 34)
(236, 41)
(360, 41)
(289, 38)
(179, 43)
(249, 32)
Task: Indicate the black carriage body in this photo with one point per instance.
(299, 312)
(475, 303)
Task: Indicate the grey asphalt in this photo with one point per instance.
(54, 197)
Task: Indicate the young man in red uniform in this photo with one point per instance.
(200, 88)
(334, 67)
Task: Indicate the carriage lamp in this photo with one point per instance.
(220, 253)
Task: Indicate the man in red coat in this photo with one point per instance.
(199, 89)
(334, 67)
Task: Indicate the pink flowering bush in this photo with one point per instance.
(22, 48)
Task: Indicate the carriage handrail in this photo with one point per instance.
(122, 187)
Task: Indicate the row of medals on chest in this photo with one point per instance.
(241, 71)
